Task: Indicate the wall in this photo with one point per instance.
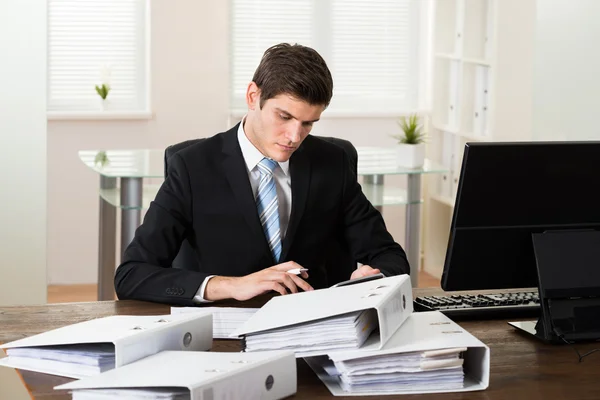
(189, 91)
(23, 144)
(515, 44)
(566, 83)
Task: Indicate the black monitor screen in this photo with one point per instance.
(506, 192)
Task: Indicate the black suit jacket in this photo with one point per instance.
(207, 198)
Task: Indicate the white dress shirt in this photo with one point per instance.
(283, 185)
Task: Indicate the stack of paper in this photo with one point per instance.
(321, 321)
(95, 346)
(416, 371)
(429, 353)
(194, 375)
(133, 394)
(225, 319)
(77, 359)
(348, 331)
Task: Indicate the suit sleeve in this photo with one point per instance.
(365, 231)
(146, 272)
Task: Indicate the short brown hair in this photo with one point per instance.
(295, 70)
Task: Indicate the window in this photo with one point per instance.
(370, 47)
(91, 41)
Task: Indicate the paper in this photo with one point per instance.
(347, 331)
(225, 319)
(417, 369)
(133, 394)
(429, 353)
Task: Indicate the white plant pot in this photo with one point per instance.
(410, 155)
(105, 104)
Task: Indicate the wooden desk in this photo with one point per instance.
(521, 367)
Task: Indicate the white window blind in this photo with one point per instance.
(256, 26)
(370, 47)
(95, 41)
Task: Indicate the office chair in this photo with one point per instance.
(339, 255)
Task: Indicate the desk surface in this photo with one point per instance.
(521, 366)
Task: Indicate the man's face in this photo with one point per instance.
(281, 125)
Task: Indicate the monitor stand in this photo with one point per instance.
(569, 286)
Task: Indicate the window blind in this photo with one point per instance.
(91, 42)
(370, 47)
(256, 26)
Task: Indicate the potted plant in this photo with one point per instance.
(103, 93)
(104, 87)
(411, 143)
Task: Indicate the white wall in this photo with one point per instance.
(23, 144)
(513, 66)
(189, 89)
(566, 80)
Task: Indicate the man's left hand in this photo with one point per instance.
(364, 270)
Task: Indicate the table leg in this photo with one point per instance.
(413, 226)
(377, 182)
(106, 243)
(131, 205)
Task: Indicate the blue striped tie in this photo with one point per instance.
(268, 207)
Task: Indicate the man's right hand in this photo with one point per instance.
(246, 287)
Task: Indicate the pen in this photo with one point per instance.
(296, 271)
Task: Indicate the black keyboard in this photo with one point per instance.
(482, 306)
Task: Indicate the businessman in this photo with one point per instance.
(259, 200)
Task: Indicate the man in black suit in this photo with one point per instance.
(259, 200)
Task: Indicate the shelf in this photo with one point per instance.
(443, 199)
(466, 135)
(445, 128)
(448, 56)
(478, 138)
(478, 61)
(382, 195)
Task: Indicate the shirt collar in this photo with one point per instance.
(251, 154)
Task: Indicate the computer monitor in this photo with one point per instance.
(507, 192)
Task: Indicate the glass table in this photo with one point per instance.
(122, 174)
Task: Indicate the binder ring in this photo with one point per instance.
(137, 328)
(269, 382)
(187, 339)
(371, 295)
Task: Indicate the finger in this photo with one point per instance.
(275, 286)
(301, 283)
(288, 281)
(304, 274)
(372, 272)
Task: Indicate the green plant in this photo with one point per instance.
(103, 90)
(412, 130)
(101, 159)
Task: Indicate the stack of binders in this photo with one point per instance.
(326, 320)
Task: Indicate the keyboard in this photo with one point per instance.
(482, 306)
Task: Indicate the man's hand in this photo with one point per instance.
(246, 287)
(364, 270)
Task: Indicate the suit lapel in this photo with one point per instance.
(237, 176)
(300, 175)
